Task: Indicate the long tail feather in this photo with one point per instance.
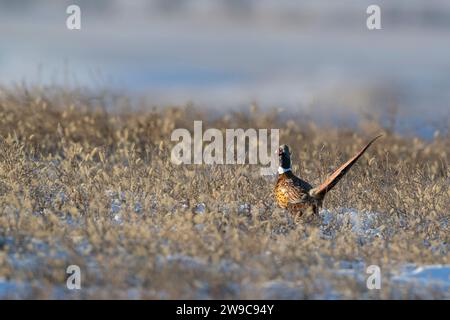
(320, 191)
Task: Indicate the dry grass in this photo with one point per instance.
(80, 185)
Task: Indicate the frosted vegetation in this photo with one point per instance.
(81, 185)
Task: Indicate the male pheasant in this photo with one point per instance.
(298, 196)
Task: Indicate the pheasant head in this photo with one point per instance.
(284, 156)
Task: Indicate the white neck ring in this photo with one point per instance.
(281, 170)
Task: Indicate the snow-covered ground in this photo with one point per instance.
(405, 280)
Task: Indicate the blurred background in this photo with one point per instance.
(314, 58)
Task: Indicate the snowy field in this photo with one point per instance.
(407, 279)
(86, 177)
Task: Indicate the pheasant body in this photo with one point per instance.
(292, 194)
(298, 196)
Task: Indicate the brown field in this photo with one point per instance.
(95, 188)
